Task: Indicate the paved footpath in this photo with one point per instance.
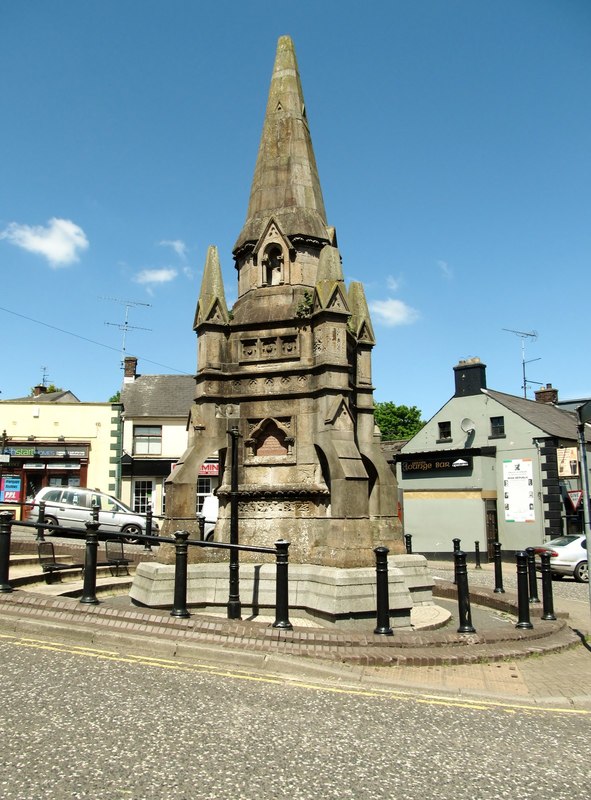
(559, 676)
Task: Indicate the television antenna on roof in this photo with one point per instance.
(533, 335)
(125, 326)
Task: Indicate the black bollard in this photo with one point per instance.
(522, 591)
(464, 612)
(89, 587)
(5, 532)
(498, 568)
(548, 608)
(149, 515)
(180, 575)
(40, 520)
(531, 573)
(456, 543)
(408, 543)
(477, 555)
(383, 600)
(282, 586)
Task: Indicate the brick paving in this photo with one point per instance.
(549, 664)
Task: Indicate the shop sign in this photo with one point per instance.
(4, 458)
(436, 464)
(64, 465)
(10, 489)
(48, 452)
(210, 468)
(34, 465)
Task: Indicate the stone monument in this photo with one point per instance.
(289, 367)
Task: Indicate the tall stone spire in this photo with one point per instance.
(285, 183)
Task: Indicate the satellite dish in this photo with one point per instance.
(467, 425)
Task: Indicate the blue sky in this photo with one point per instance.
(452, 141)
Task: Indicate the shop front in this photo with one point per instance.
(31, 467)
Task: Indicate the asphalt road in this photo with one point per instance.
(84, 723)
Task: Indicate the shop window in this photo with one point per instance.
(142, 496)
(203, 489)
(147, 440)
(497, 426)
(444, 431)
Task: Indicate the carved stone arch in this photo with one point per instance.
(272, 253)
(270, 437)
(273, 263)
(372, 484)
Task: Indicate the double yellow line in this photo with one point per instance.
(183, 666)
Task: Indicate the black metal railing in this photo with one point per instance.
(181, 543)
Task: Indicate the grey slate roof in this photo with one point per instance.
(65, 396)
(552, 420)
(158, 396)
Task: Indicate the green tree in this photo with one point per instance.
(116, 397)
(397, 422)
(49, 390)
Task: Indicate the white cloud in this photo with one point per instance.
(60, 242)
(392, 312)
(151, 276)
(446, 270)
(392, 283)
(179, 247)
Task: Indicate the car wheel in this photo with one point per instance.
(581, 572)
(50, 521)
(130, 534)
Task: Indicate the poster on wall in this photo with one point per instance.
(568, 462)
(518, 490)
(10, 489)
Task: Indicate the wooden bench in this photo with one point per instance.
(48, 562)
(115, 555)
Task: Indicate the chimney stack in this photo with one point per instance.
(470, 377)
(547, 394)
(129, 369)
(39, 389)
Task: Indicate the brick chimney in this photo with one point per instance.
(39, 389)
(470, 377)
(546, 394)
(129, 369)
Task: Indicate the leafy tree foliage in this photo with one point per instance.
(116, 398)
(49, 390)
(397, 422)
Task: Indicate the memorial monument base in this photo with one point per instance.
(327, 595)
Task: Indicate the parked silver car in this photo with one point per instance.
(71, 507)
(568, 556)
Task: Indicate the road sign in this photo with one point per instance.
(575, 496)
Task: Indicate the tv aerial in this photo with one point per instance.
(533, 335)
(125, 326)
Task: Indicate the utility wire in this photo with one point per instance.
(85, 339)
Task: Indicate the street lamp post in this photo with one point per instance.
(583, 416)
(234, 605)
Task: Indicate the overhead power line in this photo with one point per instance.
(86, 339)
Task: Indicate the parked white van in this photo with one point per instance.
(71, 507)
(209, 512)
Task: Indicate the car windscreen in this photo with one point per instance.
(562, 541)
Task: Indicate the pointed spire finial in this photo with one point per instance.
(360, 322)
(211, 306)
(285, 183)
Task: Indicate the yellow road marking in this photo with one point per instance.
(393, 694)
